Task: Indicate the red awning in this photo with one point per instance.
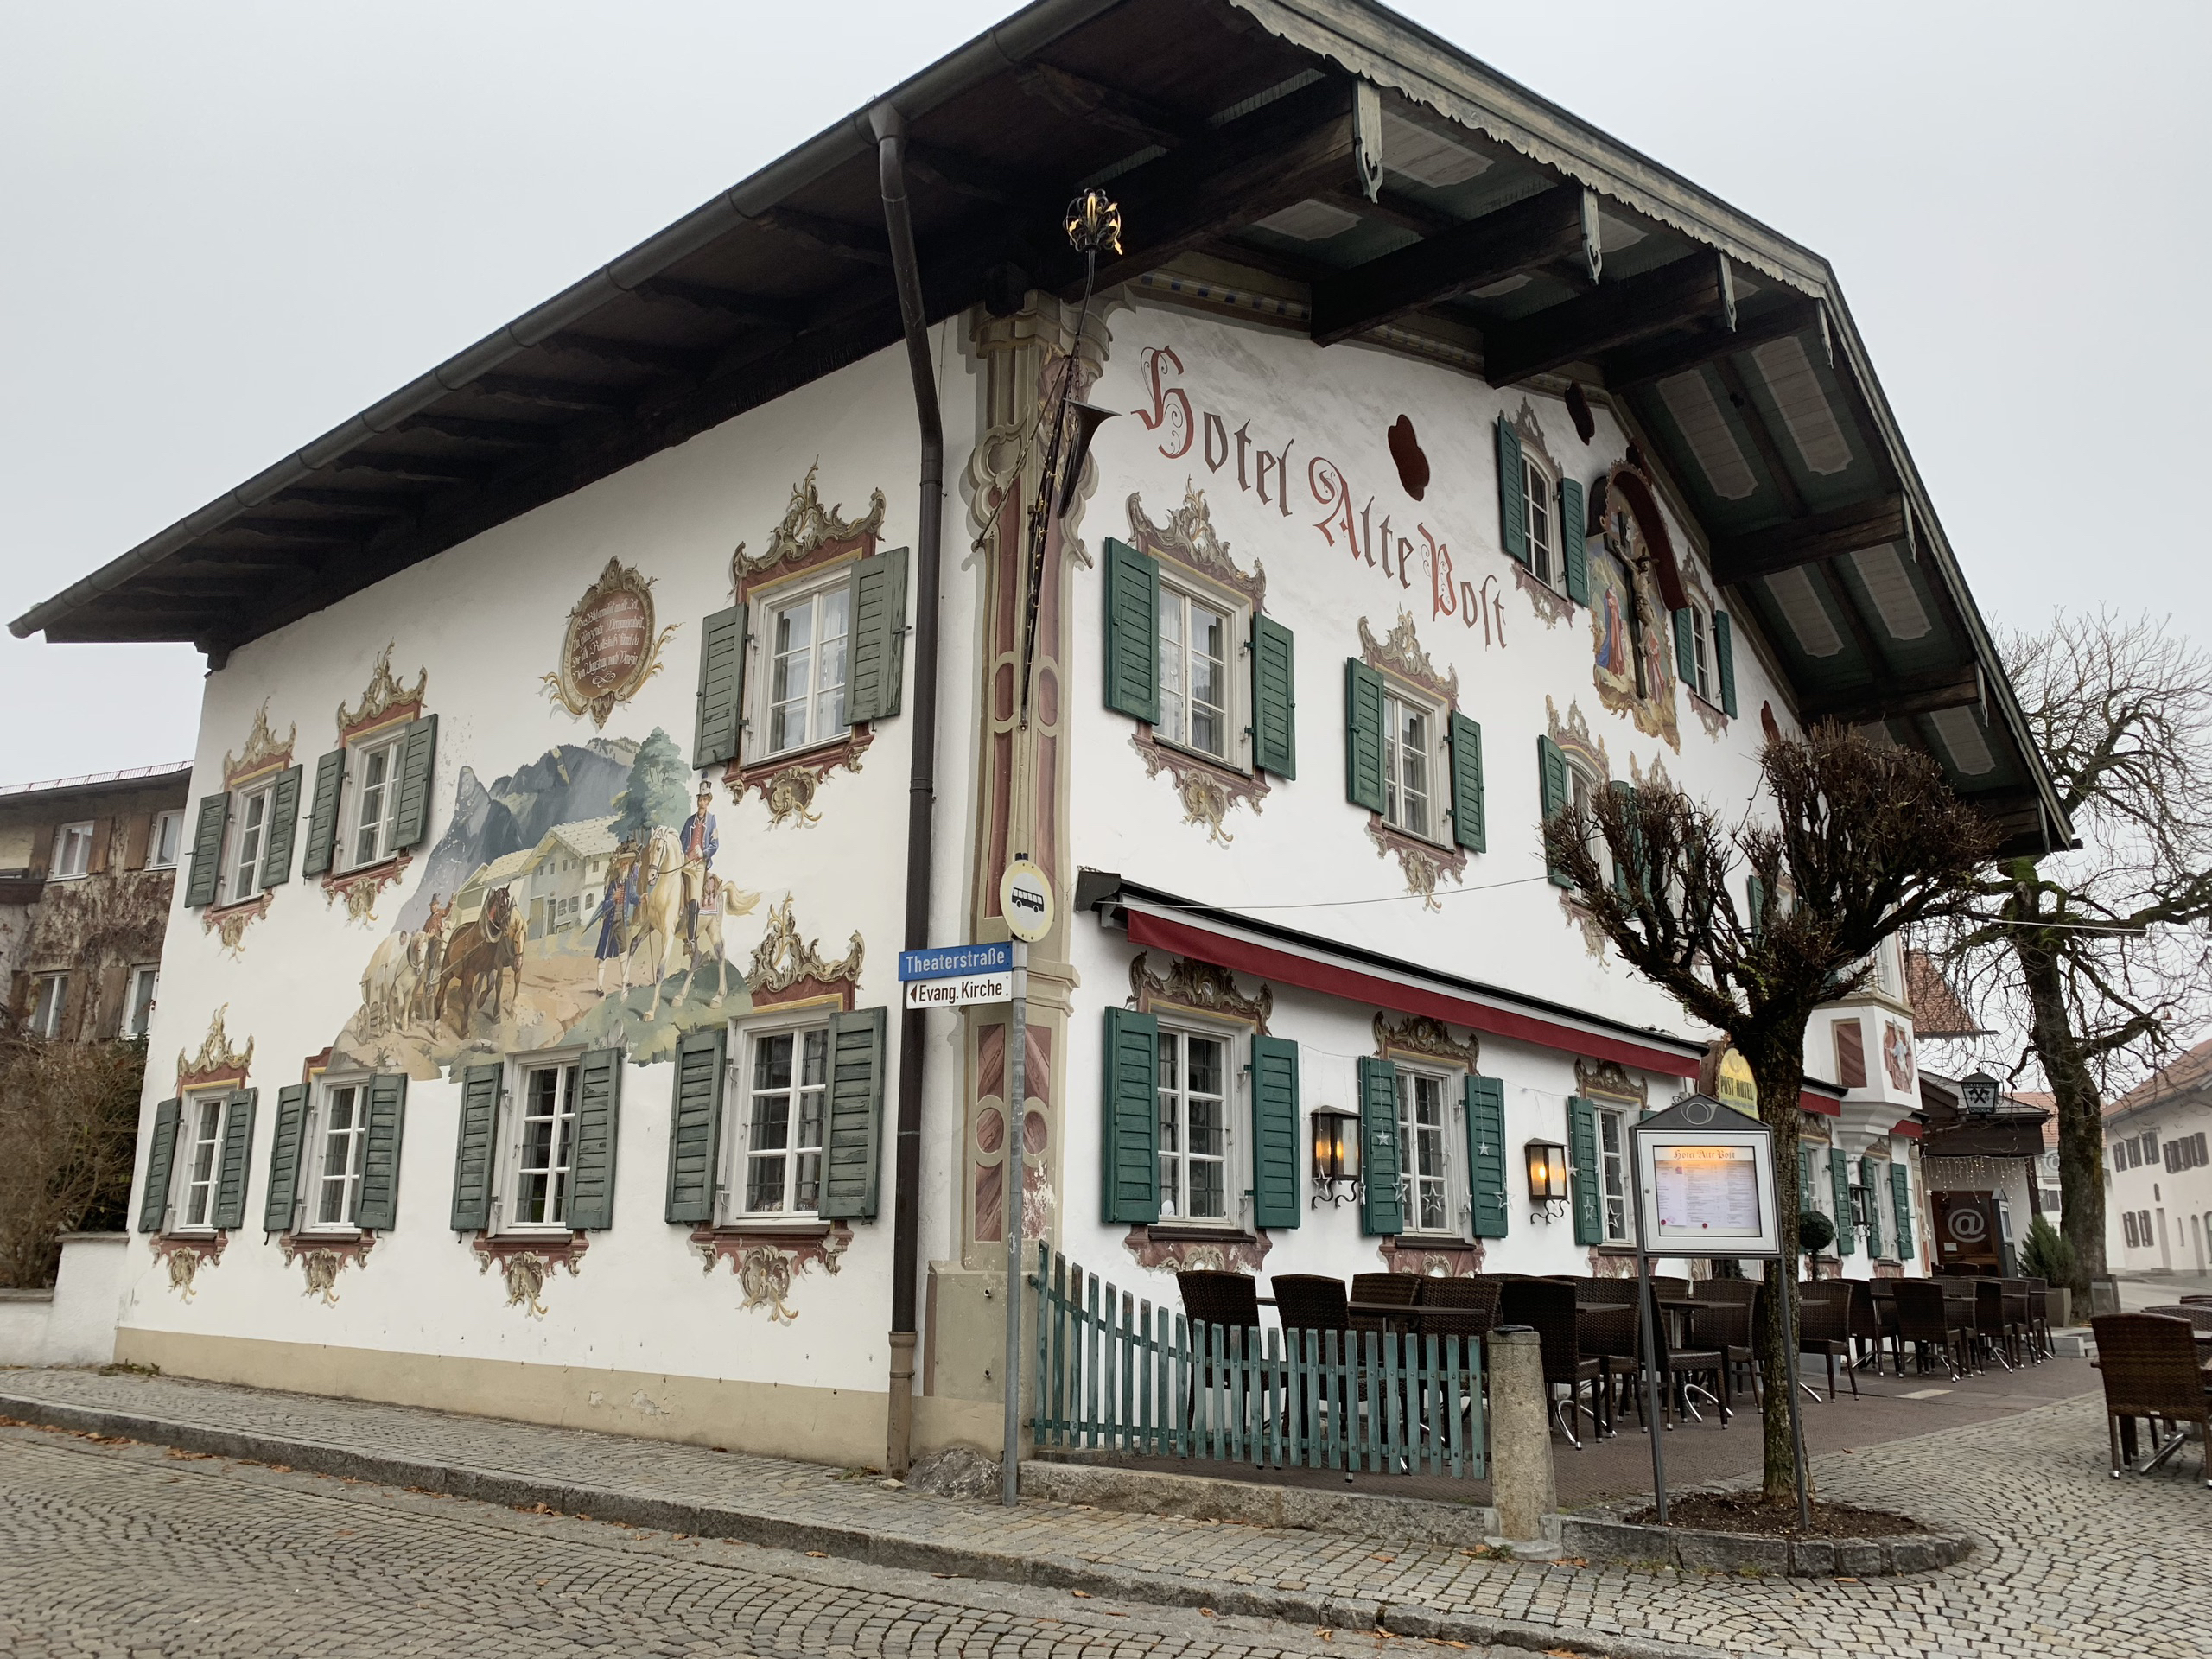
(1908, 1128)
(1284, 963)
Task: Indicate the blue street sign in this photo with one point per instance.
(949, 961)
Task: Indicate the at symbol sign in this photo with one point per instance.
(1967, 1226)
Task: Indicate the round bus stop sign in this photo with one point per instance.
(1026, 902)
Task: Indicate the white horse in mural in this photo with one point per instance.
(660, 918)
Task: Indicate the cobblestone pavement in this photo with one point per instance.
(2072, 1562)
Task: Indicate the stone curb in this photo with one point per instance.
(1736, 1552)
(1202, 1498)
(875, 1548)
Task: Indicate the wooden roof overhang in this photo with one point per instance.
(1393, 189)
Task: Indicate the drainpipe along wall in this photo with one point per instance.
(890, 128)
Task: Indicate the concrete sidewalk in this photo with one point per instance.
(2073, 1562)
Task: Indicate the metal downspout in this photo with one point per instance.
(890, 128)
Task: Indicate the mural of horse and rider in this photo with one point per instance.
(573, 901)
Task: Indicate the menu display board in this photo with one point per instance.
(1706, 1192)
(1705, 1182)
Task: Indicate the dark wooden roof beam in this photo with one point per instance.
(1697, 290)
(979, 181)
(748, 308)
(304, 532)
(475, 429)
(1641, 365)
(384, 503)
(551, 394)
(628, 353)
(426, 469)
(1533, 232)
(1812, 539)
(863, 244)
(1901, 697)
(1101, 105)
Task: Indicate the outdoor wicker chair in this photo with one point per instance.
(2020, 1305)
(1600, 1293)
(1394, 1289)
(1311, 1301)
(1728, 1324)
(2198, 1316)
(2195, 1301)
(1882, 1294)
(1824, 1327)
(1925, 1320)
(2149, 1369)
(1458, 1307)
(1548, 1306)
(1993, 1333)
(1229, 1302)
(1678, 1367)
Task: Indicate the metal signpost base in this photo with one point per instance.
(1017, 1122)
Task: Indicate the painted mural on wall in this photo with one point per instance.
(1632, 645)
(575, 900)
(608, 648)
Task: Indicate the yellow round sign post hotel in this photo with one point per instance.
(1026, 902)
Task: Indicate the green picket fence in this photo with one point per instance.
(1116, 1374)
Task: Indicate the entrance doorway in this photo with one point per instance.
(1966, 1231)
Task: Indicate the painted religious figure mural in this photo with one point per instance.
(573, 901)
(1631, 662)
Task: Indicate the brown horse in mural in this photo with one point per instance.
(479, 956)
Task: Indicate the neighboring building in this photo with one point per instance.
(471, 1085)
(2157, 1173)
(1984, 1175)
(86, 865)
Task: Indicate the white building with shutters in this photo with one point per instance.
(1450, 478)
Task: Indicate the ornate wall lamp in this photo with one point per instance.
(1547, 1179)
(1336, 1155)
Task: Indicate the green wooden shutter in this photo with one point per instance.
(284, 827)
(1381, 1212)
(1637, 865)
(1551, 785)
(1574, 537)
(1846, 1238)
(238, 1160)
(1582, 1167)
(1129, 1107)
(1901, 1198)
(475, 1148)
(1873, 1206)
(418, 754)
(378, 1206)
(1275, 1160)
(322, 814)
(1132, 631)
(1363, 735)
(1275, 699)
(1467, 739)
(284, 1148)
(719, 721)
(161, 1151)
(204, 879)
(856, 1127)
(1486, 1098)
(1686, 646)
(1755, 900)
(599, 1115)
(1512, 493)
(694, 1123)
(1723, 660)
(876, 657)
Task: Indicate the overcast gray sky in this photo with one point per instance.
(230, 225)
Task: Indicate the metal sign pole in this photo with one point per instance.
(1648, 1296)
(1017, 1118)
(1786, 1267)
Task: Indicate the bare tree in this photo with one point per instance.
(1863, 842)
(68, 1138)
(2096, 958)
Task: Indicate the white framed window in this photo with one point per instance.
(138, 1009)
(1197, 688)
(1545, 560)
(198, 1163)
(1412, 737)
(1612, 1171)
(1425, 1171)
(48, 1005)
(1582, 791)
(336, 1140)
(164, 840)
(249, 841)
(1701, 652)
(372, 769)
(542, 1147)
(801, 660)
(1194, 1117)
(783, 1074)
(73, 852)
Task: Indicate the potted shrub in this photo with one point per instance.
(2049, 1255)
(1815, 1232)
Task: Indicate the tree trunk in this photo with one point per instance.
(2081, 1108)
(1778, 1067)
